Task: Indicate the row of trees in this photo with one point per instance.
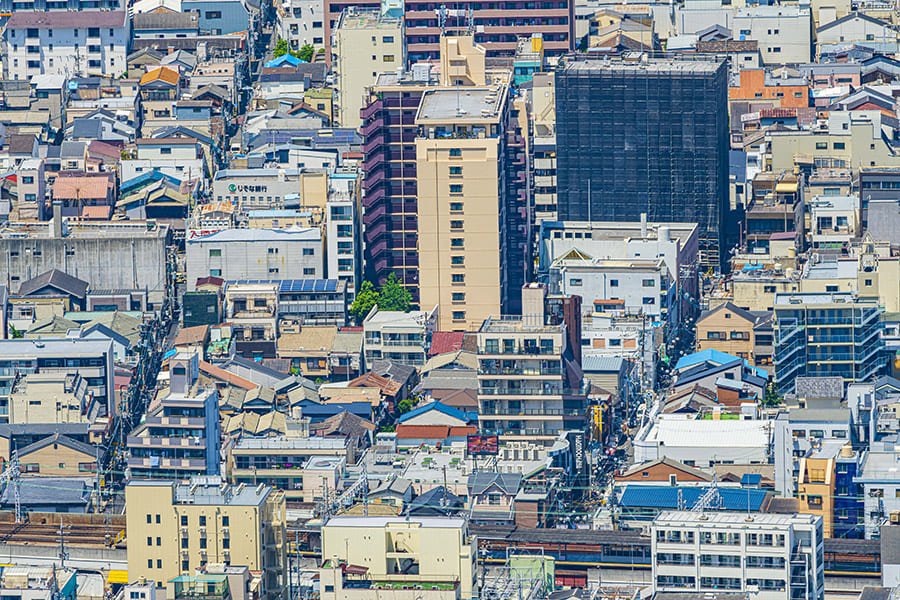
(391, 296)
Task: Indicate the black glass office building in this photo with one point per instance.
(645, 136)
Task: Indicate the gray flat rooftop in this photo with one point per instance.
(47, 348)
(650, 65)
(462, 103)
(381, 522)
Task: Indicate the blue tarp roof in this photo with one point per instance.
(666, 497)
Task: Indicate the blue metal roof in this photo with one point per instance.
(717, 357)
(751, 479)
(665, 497)
(440, 407)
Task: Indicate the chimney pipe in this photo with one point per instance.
(57, 227)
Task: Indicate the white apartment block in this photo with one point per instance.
(784, 33)
(300, 22)
(66, 43)
(771, 556)
(343, 232)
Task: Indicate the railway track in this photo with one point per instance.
(92, 534)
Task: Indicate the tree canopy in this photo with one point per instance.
(392, 296)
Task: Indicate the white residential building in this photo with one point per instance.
(402, 337)
(704, 443)
(768, 556)
(300, 22)
(66, 43)
(343, 231)
(784, 33)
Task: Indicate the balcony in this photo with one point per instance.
(371, 109)
(370, 128)
(520, 371)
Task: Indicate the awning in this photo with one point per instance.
(117, 576)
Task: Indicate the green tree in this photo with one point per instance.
(772, 398)
(393, 296)
(306, 52)
(404, 406)
(281, 48)
(365, 299)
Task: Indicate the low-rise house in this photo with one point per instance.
(492, 497)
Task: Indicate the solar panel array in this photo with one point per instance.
(297, 285)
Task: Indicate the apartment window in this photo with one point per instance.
(455, 152)
(309, 251)
(309, 271)
(456, 206)
(459, 297)
(456, 188)
(648, 283)
(165, 151)
(185, 565)
(203, 543)
(613, 283)
(273, 250)
(457, 260)
(273, 270)
(459, 315)
(213, 14)
(214, 252)
(456, 170)
(868, 282)
(776, 49)
(388, 58)
(712, 335)
(831, 288)
(456, 224)
(769, 289)
(157, 516)
(149, 563)
(226, 543)
(649, 300)
(225, 521)
(215, 272)
(149, 518)
(159, 563)
(458, 278)
(821, 145)
(149, 541)
(388, 39)
(574, 281)
(839, 145)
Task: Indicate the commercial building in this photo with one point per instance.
(175, 528)
(432, 556)
(645, 136)
(114, 255)
(264, 254)
(251, 309)
(256, 188)
(179, 437)
(528, 385)
(703, 442)
(822, 334)
(90, 359)
(365, 42)
(772, 556)
(67, 43)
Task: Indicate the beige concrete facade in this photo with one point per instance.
(460, 182)
(364, 43)
(175, 528)
(47, 398)
(440, 548)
